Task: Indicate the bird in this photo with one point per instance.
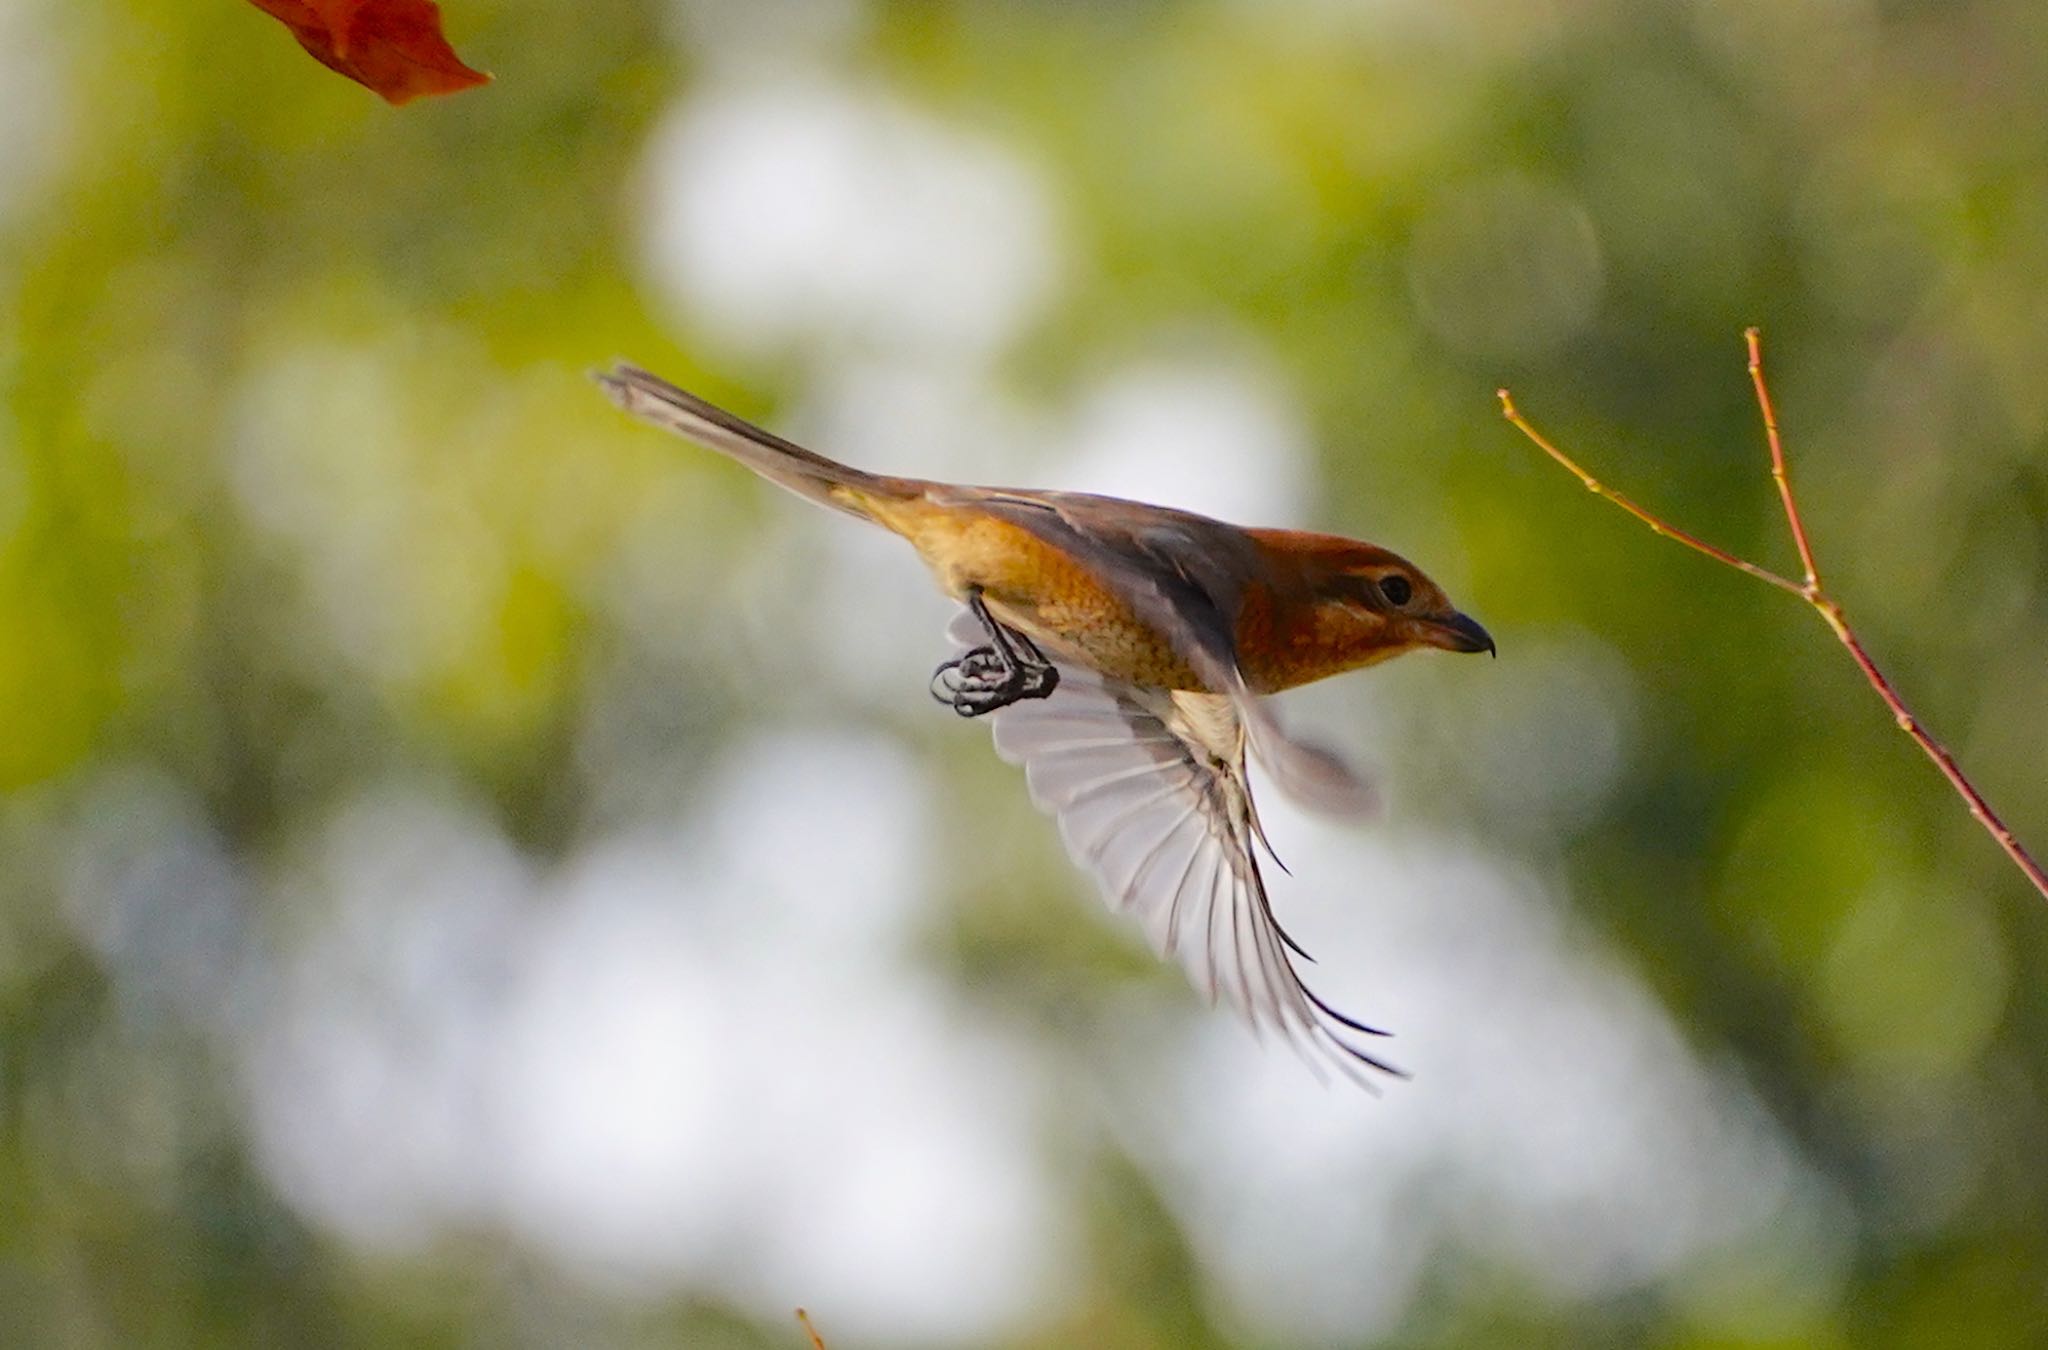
(1124, 653)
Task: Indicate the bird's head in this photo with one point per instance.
(1342, 604)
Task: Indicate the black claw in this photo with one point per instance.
(1008, 669)
(975, 693)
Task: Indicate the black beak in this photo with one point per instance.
(1462, 633)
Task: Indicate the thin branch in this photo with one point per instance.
(1812, 592)
(1594, 485)
(817, 1341)
(1755, 339)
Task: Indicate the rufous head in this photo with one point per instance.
(1342, 604)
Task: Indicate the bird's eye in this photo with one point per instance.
(1396, 589)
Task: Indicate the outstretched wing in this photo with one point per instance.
(1151, 801)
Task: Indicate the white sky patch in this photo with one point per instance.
(624, 1079)
(790, 213)
(365, 1056)
(1211, 434)
(922, 417)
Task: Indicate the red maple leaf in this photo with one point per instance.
(394, 47)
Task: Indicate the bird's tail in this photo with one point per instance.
(827, 482)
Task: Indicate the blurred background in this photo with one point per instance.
(474, 871)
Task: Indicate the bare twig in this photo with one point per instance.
(1811, 591)
(1594, 485)
(1754, 338)
(817, 1341)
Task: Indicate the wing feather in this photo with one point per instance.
(1160, 816)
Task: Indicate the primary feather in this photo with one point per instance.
(1149, 791)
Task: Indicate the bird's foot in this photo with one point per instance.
(984, 679)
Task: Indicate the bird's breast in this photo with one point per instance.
(1040, 590)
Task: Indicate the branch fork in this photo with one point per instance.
(1809, 590)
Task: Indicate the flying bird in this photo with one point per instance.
(1121, 652)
